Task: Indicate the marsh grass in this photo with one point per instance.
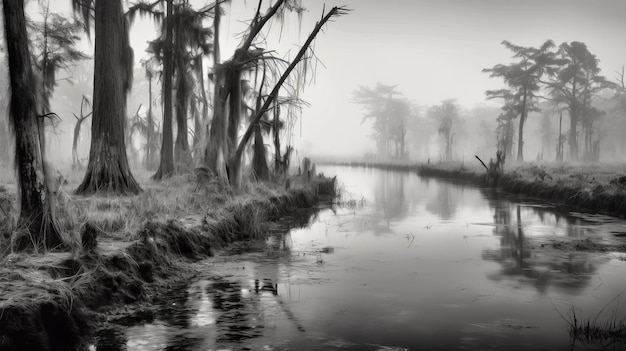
(608, 325)
(141, 243)
(596, 187)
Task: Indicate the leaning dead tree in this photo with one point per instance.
(234, 162)
(228, 95)
(223, 153)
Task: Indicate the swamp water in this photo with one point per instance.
(401, 262)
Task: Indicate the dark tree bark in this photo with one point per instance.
(108, 168)
(233, 76)
(181, 147)
(36, 214)
(166, 167)
(201, 123)
(260, 169)
(276, 131)
(259, 158)
(150, 122)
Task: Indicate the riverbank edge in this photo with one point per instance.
(594, 199)
(89, 287)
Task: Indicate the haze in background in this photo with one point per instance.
(432, 49)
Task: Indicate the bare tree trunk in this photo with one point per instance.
(217, 146)
(201, 136)
(150, 122)
(259, 159)
(234, 106)
(214, 154)
(559, 147)
(182, 154)
(36, 214)
(573, 114)
(276, 130)
(166, 166)
(108, 168)
(522, 120)
(181, 147)
(234, 162)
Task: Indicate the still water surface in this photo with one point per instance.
(400, 263)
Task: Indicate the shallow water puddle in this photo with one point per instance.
(404, 263)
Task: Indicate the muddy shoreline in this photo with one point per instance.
(59, 302)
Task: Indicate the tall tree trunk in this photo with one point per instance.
(181, 147)
(214, 154)
(200, 130)
(216, 35)
(108, 168)
(573, 117)
(217, 145)
(402, 141)
(276, 130)
(166, 166)
(150, 122)
(36, 214)
(259, 159)
(559, 147)
(233, 75)
(522, 120)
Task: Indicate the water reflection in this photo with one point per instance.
(445, 202)
(390, 195)
(419, 264)
(550, 267)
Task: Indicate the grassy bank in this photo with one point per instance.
(595, 188)
(123, 251)
(592, 187)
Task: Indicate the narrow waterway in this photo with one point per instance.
(400, 262)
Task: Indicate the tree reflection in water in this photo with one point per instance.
(541, 267)
(446, 201)
(390, 196)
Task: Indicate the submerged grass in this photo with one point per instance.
(599, 328)
(124, 250)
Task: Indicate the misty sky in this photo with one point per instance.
(432, 49)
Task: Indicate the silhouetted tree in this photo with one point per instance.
(377, 103)
(524, 78)
(189, 36)
(576, 83)
(447, 114)
(151, 144)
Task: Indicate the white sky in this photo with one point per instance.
(433, 49)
